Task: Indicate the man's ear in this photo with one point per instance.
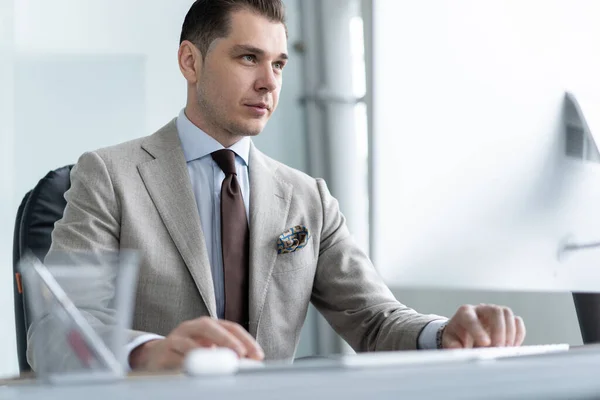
(190, 61)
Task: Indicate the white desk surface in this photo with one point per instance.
(572, 375)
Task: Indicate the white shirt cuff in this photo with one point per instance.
(138, 341)
(427, 336)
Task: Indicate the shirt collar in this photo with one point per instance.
(197, 144)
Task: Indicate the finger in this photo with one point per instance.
(453, 344)
(511, 330)
(253, 348)
(469, 321)
(467, 340)
(519, 331)
(492, 318)
(182, 345)
(207, 331)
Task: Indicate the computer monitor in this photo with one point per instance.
(486, 172)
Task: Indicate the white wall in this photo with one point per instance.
(108, 43)
(88, 74)
(95, 73)
(463, 88)
(8, 361)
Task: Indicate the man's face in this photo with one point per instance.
(240, 79)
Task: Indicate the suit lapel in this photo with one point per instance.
(167, 180)
(270, 200)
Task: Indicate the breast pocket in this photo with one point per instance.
(299, 259)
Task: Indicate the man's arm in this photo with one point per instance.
(359, 306)
(351, 295)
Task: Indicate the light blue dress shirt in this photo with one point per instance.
(206, 178)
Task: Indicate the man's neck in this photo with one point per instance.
(225, 138)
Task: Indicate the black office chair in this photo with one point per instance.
(39, 210)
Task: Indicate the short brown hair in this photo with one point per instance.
(208, 20)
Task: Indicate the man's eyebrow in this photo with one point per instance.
(244, 48)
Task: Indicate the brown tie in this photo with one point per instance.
(235, 240)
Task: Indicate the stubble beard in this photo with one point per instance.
(218, 122)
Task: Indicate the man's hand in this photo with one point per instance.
(483, 326)
(169, 353)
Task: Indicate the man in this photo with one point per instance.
(235, 245)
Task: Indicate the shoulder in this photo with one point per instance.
(136, 151)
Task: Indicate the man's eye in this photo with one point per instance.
(279, 65)
(249, 58)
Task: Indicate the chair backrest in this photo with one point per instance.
(39, 210)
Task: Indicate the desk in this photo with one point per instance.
(572, 375)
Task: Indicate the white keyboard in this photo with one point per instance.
(392, 358)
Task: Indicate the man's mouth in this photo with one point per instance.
(260, 106)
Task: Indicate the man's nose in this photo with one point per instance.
(267, 81)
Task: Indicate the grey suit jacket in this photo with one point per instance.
(138, 195)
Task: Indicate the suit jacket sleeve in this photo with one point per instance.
(352, 296)
(90, 226)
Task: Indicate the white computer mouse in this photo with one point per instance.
(211, 361)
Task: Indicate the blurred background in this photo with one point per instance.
(77, 75)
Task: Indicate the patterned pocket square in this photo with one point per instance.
(293, 239)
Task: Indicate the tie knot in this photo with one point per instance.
(225, 159)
